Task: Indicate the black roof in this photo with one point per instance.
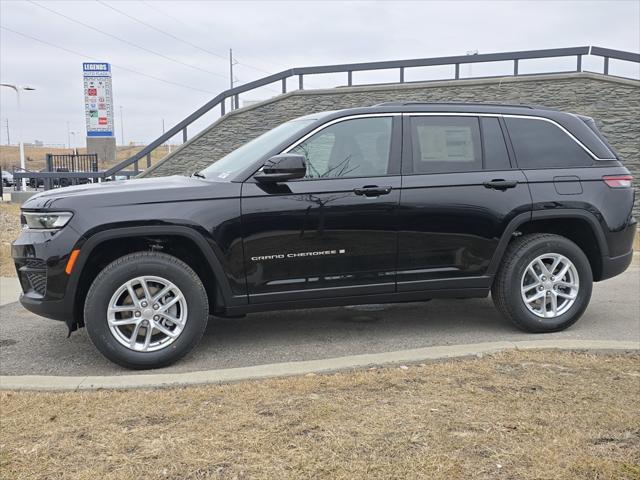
(471, 107)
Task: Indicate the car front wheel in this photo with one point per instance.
(544, 283)
(146, 310)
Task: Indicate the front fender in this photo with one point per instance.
(209, 249)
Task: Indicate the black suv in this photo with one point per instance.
(392, 203)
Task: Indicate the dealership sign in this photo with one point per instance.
(98, 99)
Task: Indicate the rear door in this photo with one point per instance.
(460, 191)
(333, 233)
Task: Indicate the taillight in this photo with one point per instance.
(618, 181)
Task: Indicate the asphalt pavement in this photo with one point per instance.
(30, 345)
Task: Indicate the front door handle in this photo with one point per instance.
(501, 184)
(372, 191)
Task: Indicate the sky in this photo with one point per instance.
(171, 57)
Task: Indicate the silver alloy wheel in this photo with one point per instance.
(147, 313)
(550, 285)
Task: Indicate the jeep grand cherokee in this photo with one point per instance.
(392, 203)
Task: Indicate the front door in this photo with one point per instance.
(334, 232)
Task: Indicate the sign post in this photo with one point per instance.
(98, 109)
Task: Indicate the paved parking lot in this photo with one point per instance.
(33, 345)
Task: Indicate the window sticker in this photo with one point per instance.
(450, 143)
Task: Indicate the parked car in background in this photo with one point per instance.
(36, 182)
(392, 203)
(116, 178)
(58, 182)
(7, 179)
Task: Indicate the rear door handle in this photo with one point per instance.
(500, 184)
(372, 191)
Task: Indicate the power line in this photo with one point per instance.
(195, 67)
(162, 12)
(175, 37)
(159, 10)
(175, 19)
(186, 42)
(83, 55)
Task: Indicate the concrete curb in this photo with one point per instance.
(10, 290)
(54, 383)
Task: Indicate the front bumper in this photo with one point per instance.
(53, 309)
(40, 258)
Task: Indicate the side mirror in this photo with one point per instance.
(281, 168)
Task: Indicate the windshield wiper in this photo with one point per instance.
(197, 174)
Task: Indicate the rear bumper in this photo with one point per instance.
(612, 266)
(620, 251)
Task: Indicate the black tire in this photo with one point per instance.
(135, 265)
(506, 289)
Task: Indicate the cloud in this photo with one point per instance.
(265, 37)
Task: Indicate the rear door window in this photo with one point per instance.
(445, 144)
(542, 144)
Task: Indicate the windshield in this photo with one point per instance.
(248, 153)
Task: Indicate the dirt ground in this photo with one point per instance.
(35, 156)
(9, 231)
(516, 415)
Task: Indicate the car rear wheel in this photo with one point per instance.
(544, 283)
(146, 310)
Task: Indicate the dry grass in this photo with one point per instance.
(9, 231)
(517, 415)
(35, 156)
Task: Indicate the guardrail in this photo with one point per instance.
(233, 94)
(53, 179)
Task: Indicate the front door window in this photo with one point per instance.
(351, 148)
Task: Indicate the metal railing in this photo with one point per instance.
(233, 94)
(75, 162)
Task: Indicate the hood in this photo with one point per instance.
(133, 192)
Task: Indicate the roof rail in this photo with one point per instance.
(477, 104)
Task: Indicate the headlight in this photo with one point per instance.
(46, 220)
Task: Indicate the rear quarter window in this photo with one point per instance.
(541, 144)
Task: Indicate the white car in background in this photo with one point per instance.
(7, 179)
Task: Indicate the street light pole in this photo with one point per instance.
(168, 142)
(121, 127)
(17, 89)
